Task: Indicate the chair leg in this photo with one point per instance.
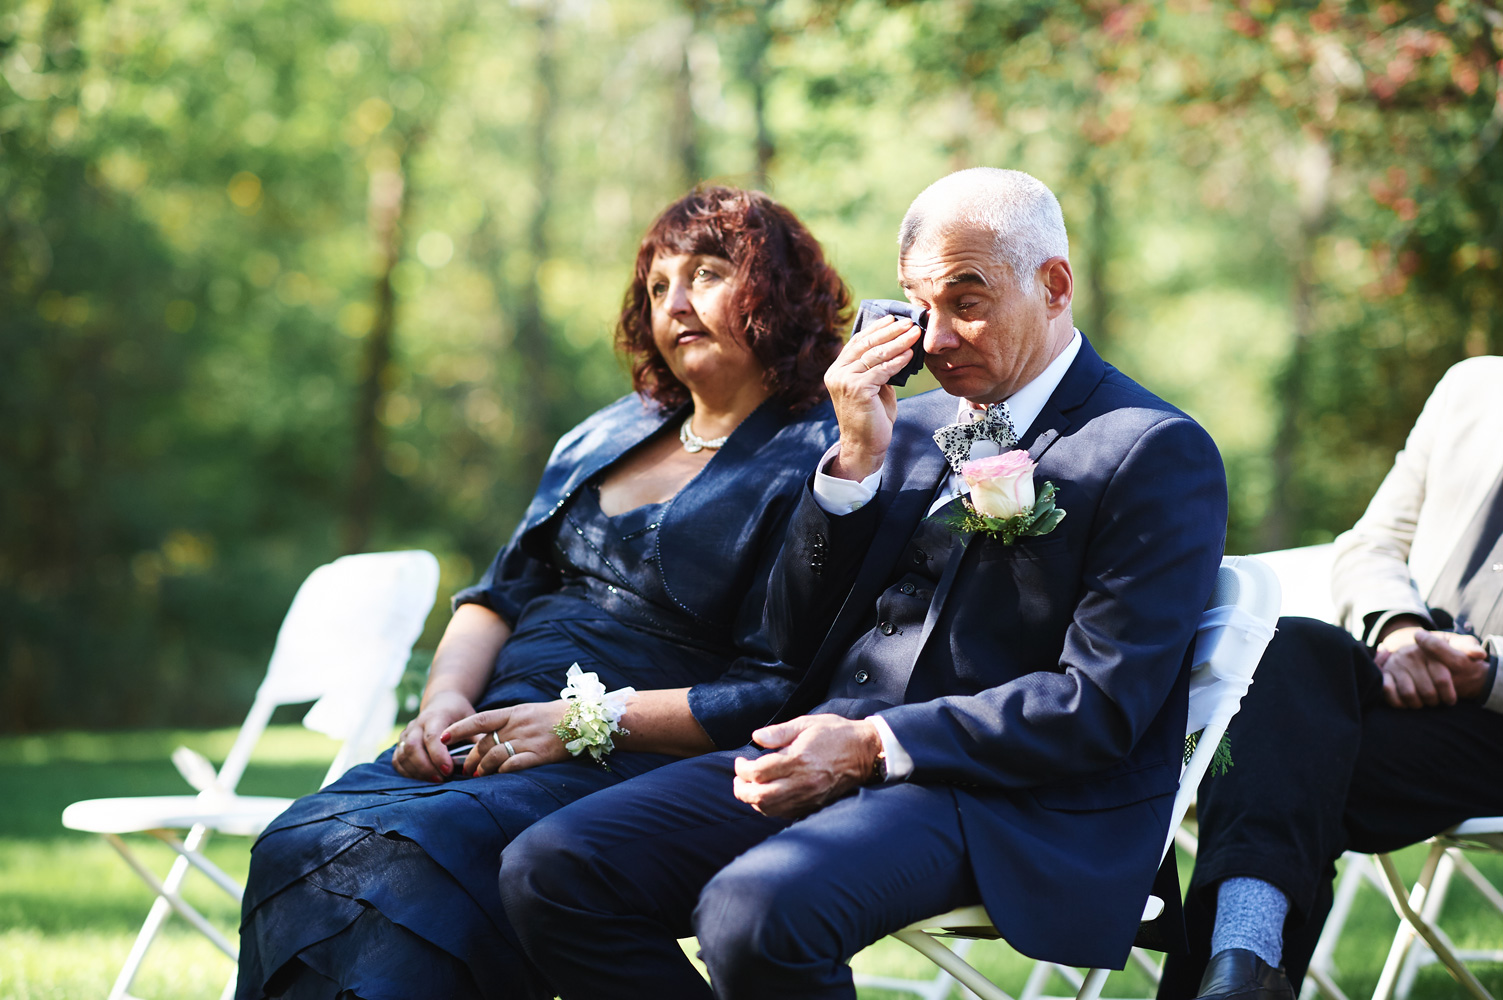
(155, 917)
(177, 902)
(938, 988)
(1434, 936)
(1038, 978)
(1403, 938)
(1318, 983)
(1322, 961)
(1186, 840)
(952, 963)
(203, 864)
(1471, 874)
(1454, 863)
(1435, 898)
(1152, 969)
(1091, 988)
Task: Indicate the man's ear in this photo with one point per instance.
(1059, 285)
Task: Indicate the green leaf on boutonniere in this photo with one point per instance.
(1040, 519)
(1221, 758)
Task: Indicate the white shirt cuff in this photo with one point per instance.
(899, 764)
(842, 496)
(1376, 629)
(1494, 700)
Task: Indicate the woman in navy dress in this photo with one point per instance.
(643, 557)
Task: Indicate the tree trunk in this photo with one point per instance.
(386, 203)
(757, 76)
(685, 127)
(1098, 254)
(536, 377)
(1280, 528)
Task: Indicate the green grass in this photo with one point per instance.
(69, 908)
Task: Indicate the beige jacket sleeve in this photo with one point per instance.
(1370, 574)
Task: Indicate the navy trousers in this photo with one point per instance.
(600, 890)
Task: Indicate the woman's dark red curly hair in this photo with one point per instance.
(790, 306)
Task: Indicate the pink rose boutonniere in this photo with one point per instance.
(1002, 501)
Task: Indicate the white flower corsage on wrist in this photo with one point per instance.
(593, 718)
(1002, 502)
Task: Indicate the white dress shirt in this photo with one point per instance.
(841, 496)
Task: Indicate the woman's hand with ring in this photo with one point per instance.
(526, 731)
(420, 753)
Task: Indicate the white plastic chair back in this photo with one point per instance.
(1305, 576)
(345, 642)
(1234, 630)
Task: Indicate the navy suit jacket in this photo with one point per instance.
(716, 542)
(1063, 660)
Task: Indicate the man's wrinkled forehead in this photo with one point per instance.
(944, 282)
(950, 258)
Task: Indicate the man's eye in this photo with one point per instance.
(963, 306)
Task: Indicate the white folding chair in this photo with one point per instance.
(1229, 641)
(1419, 909)
(345, 642)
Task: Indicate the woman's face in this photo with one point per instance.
(691, 299)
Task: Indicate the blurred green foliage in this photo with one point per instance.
(284, 279)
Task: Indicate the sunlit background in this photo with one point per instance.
(286, 279)
(283, 279)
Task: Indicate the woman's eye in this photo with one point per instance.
(658, 290)
(705, 274)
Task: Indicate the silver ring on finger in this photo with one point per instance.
(511, 751)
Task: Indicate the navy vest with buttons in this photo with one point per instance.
(877, 668)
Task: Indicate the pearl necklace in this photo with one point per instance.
(693, 442)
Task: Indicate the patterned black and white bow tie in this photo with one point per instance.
(994, 424)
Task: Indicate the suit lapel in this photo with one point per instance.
(1081, 379)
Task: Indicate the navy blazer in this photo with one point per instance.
(1063, 660)
(716, 542)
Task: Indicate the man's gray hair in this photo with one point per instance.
(1021, 212)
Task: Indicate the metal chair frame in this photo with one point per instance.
(1418, 940)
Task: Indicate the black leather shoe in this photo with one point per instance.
(1238, 974)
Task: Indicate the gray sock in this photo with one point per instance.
(1250, 914)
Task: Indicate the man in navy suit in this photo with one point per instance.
(980, 721)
